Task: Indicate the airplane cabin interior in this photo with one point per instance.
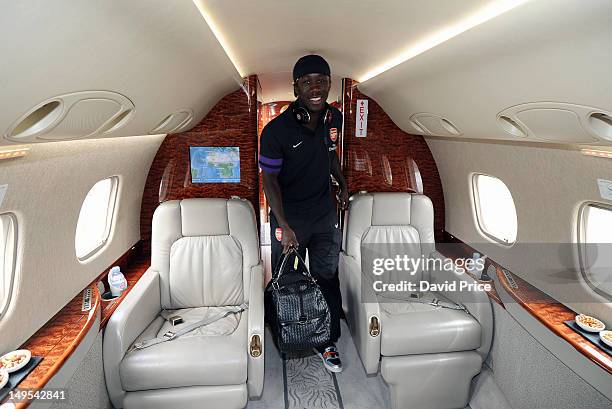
(136, 247)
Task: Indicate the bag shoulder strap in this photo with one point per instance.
(170, 335)
(281, 269)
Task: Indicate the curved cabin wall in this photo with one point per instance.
(45, 191)
(548, 186)
(232, 122)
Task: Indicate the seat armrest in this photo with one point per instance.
(360, 313)
(476, 302)
(136, 311)
(256, 328)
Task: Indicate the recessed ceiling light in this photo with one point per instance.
(13, 151)
(597, 153)
(483, 15)
(219, 35)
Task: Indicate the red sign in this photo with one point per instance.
(333, 134)
(278, 233)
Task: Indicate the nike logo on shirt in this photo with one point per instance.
(296, 145)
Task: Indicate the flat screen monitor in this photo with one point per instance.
(214, 164)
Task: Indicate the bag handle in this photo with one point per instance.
(292, 251)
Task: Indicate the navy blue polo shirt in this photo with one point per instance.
(302, 160)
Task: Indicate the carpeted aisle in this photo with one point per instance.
(301, 381)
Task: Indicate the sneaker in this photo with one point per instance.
(330, 357)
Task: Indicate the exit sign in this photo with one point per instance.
(361, 125)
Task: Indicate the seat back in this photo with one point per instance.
(204, 250)
(386, 224)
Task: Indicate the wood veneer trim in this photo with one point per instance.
(552, 314)
(468, 251)
(61, 335)
(58, 339)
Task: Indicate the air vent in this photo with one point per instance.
(71, 116)
(41, 118)
(82, 119)
(511, 127)
(559, 122)
(173, 122)
(117, 122)
(601, 124)
(432, 124)
(449, 127)
(417, 127)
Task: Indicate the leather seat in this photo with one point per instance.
(205, 260)
(226, 364)
(428, 354)
(423, 329)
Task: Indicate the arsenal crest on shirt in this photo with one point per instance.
(333, 134)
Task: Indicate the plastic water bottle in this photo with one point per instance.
(116, 281)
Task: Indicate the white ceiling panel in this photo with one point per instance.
(268, 36)
(555, 51)
(160, 54)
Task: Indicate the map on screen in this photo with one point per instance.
(215, 164)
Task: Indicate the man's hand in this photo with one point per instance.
(343, 198)
(289, 239)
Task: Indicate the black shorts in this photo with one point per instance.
(322, 237)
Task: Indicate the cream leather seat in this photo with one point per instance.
(204, 259)
(426, 353)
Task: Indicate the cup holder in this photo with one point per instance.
(485, 277)
(108, 296)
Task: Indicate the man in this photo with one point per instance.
(298, 154)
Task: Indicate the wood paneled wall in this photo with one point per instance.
(382, 161)
(232, 122)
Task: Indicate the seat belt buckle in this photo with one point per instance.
(175, 320)
(169, 335)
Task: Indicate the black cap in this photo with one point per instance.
(310, 64)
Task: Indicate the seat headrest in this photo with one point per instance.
(391, 209)
(387, 209)
(204, 217)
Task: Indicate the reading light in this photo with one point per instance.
(218, 34)
(483, 15)
(16, 151)
(597, 153)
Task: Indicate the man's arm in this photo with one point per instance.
(336, 172)
(274, 195)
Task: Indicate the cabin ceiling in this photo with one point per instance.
(160, 55)
(546, 64)
(542, 63)
(268, 36)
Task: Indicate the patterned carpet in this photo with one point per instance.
(302, 382)
(309, 385)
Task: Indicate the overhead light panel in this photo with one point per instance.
(219, 35)
(483, 15)
(16, 151)
(597, 153)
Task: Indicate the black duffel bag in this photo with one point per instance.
(296, 309)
